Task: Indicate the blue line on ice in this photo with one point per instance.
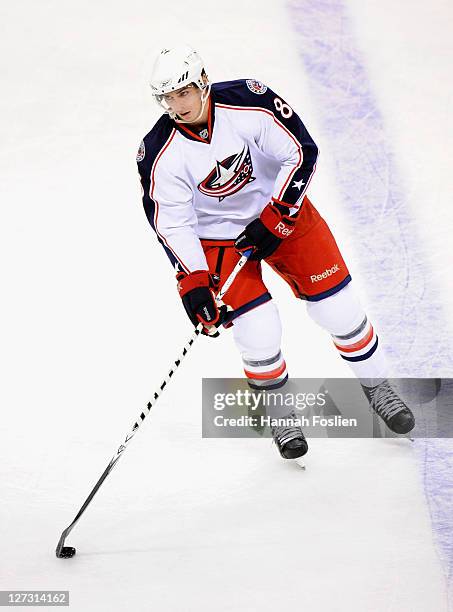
(411, 318)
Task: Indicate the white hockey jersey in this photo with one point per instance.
(213, 183)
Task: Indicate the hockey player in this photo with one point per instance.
(226, 168)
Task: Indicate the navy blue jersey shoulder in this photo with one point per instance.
(153, 143)
(253, 93)
(244, 92)
(149, 149)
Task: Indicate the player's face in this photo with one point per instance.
(185, 102)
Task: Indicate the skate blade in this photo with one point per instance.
(300, 463)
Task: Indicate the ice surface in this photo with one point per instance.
(409, 262)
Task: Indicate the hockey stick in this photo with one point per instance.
(65, 552)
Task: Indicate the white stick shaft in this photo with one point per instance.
(230, 280)
(158, 392)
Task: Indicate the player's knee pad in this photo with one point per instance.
(338, 314)
(257, 335)
(344, 318)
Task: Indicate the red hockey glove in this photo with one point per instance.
(265, 234)
(199, 301)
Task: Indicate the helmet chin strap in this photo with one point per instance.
(204, 98)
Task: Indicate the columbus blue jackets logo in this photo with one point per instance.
(256, 86)
(141, 152)
(229, 176)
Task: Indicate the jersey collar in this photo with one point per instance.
(187, 132)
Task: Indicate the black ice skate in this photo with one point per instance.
(385, 402)
(290, 439)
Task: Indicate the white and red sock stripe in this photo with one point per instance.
(267, 373)
(359, 344)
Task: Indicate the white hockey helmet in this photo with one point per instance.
(176, 68)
